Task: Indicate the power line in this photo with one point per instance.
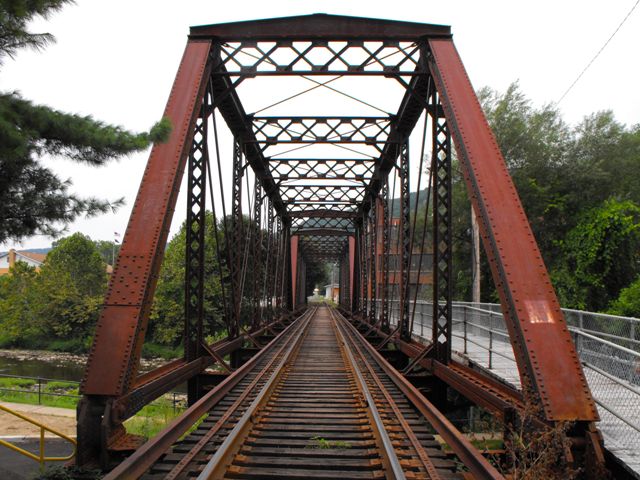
(599, 52)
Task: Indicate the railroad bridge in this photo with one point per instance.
(299, 171)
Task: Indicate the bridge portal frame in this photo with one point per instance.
(207, 79)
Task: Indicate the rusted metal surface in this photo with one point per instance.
(294, 269)
(114, 357)
(466, 452)
(310, 208)
(321, 26)
(545, 354)
(150, 452)
(309, 418)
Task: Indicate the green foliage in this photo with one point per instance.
(602, 253)
(563, 175)
(628, 302)
(153, 418)
(33, 199)
(153, 350)
(16, 382)
(323, 443)
(60, 472)
(108, 250)
(58, 307)
(166, 324)
(71, 288)
(18, 303)
(14, 17)
(160, 132)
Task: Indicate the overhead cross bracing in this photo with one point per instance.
(320, 112)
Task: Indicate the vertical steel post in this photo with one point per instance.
(294, 278)
(442, 250)
(351, 259)
(269, 277)
(384, 314)
(257, 273)
(373, 217)
(195, 247)
(361, 235)
(236, 246)
(404, 231)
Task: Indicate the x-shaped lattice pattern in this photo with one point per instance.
(318, 57)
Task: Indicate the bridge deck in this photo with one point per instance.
(316, 404)
(620, 438)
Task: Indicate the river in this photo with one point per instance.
(51, 365)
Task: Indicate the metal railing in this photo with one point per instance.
(41, 458)
(39, 389)
(608, 347)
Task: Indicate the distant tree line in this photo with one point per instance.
(580, 187)
(57, 307)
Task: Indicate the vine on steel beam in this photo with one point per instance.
(405, 242)
(442, 237)
(195, 248)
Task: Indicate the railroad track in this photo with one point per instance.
(315, 405)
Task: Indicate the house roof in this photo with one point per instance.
(36, 257)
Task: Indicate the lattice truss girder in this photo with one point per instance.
(323, 247)
(355, 170)
(318, 57)
(323, 166)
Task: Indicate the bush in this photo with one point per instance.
(628, 302)
(71, 345)
(61, 387)
(16, 382)
(153, 350)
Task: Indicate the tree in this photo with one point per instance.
(108, 250)
(17, 301)
(33, 199)
(628, 302)
(601, 255)
(71, 288)
(168, 312)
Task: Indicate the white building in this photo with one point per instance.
(9, 259)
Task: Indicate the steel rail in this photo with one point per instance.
(213, 468)
(461, 446)
(138, 463)
(197, 448)
(389, 451)
(424, 458)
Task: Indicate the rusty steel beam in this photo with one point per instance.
(545, 354)
(320, 26)
(147, 454)
(114, 357)
(113, 364)
(466, 452)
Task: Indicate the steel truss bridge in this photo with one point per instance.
(289, 190)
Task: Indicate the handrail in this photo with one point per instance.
(40, 458)
(605, 342)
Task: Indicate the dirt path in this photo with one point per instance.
(60, 419)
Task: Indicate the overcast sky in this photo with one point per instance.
(116, 60)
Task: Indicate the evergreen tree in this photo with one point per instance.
(33, 199)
